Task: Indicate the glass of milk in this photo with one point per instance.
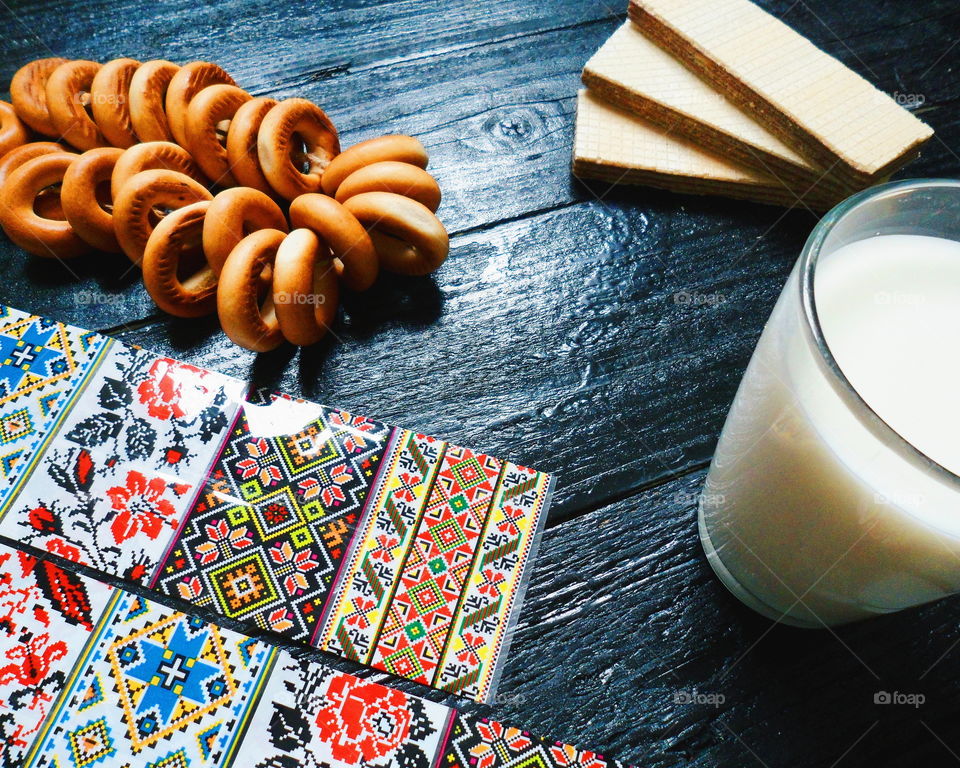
(834, 493)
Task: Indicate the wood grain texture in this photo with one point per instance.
(598, 338)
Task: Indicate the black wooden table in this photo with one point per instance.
(554, 336)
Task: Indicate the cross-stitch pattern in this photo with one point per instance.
(320, 718)
(123, 468)
(489, 744)
(97, 678)
(42, 366)
(386, 546)
(155, 688)
(265, 538)
(46, 614)
(429, 590)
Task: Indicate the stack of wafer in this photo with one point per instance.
(719, 97)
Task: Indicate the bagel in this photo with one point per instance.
(234, 214)
(408, 237)
(213, 106)
(396, 147)
(28, 92)
(83, 199)
(242, 144)
(176, 236)
(188, 81)
(68, 95)
(35, 233)
(145, 199)
(355, 257)
(305, 288)
(238, 295)
(13, 133)
(290, 122)
(110, 101)
(154, 155)
(148, 91)
(392, 176)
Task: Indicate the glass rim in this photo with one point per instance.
(814, 331)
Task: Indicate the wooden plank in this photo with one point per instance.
(624, 618)
(626, 382)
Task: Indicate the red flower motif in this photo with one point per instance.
(257, 464)
(497, 738)
(362, 721)
(66, 551)
(567, 756)
(141, 507)
(164, 390)
(44, 520)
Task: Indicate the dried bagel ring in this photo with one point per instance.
(85, 196)
(242, 143)
(148, 91)
(408, 237)
(391, 176)
(154, 155)
(17, 157)
(144, 200)
(239, 293)
(28, 92)
(68, 94)
(175, 243)
(396, 147)
(189, 80)
(206, 141)
(110, 101)
(34, 233)
(295, 122)
(13, 133)
(353, 251)
(305, 288)
(234, 214)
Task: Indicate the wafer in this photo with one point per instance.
(632, 72)
(808, 99)
(615, 146)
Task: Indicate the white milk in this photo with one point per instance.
(810, 512)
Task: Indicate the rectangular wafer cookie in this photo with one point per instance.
(811, 101)
(615, 146)
(633, 72)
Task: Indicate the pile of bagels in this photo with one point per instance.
(229, 203)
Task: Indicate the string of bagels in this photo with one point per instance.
(240, 205)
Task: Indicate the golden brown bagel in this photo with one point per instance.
(355, 257)
(234, 214)
(242, 144)
(41, 236)
(177, 235)
(189, 80)
(19, 155)
(286, 125)
(148, 92)
(85, 193)
(391, 176)
(28, 92)
(110, 101)
(238, 294)
(395, 147)
(409, 239)
(68, 93)
(13, 133)
(213, 106)
(146, 198)
(154, 155)
(305, 288)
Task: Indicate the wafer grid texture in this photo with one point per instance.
(802, 94)
(719, 97)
